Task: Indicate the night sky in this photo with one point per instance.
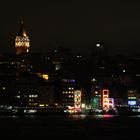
(72, 24)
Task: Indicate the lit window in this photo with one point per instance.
(132, 103)
(41, 105)
(33, 96)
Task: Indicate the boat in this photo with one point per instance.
(112, 111)
(7, 110)
(126, 110)
(95, 112)
(10, 110)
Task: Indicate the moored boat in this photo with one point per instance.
(128, 110)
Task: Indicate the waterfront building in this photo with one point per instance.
(95, 100)
(77, 100)
(32, 91)
(67, 93)
(107, 103)
(132, 97)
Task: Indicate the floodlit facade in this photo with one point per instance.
(22, 42)
(77, 100)
(132, 98)
(107, 103)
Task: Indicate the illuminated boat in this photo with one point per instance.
(128, 110)
(7, 110)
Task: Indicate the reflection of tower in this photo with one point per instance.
(22, 42)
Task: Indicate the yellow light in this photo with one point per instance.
(41, 105)
(24, 34)
(45, 76)
(105, 100)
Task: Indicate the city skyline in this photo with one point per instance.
(74, 25)
(47, 91)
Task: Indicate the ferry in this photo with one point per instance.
(128, 110)
(111, 111)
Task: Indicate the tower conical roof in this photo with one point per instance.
(22, 31)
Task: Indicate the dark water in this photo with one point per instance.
(74, 126)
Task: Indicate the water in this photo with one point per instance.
(73, 126)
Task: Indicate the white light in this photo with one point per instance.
(98, 45)
(93, 80)
(55, 51)
(96, 92)
(138, 75)
(124, 71)
(83, 105)
(131, 102)
(18, 96)
(33, 96)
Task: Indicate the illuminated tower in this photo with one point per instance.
(22, 42)
(106, 101)
(105, 96)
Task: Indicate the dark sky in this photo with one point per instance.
(73, 24)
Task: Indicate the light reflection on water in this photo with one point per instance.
(17, 116)
(107, 116)
(81, 117)
(78, 116)
(87, 126)
(8, 116)
(73, 117)
(135, 116)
